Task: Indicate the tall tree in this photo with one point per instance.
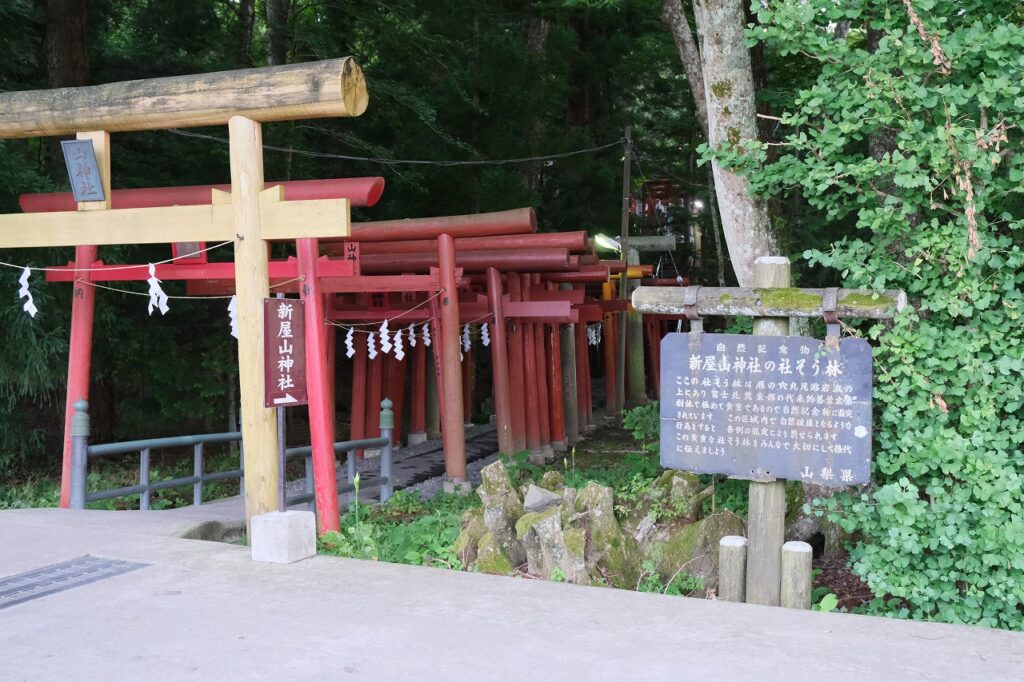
(720, 74)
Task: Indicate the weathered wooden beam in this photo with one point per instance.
(279, 221)
(322, 89)
(770, 302)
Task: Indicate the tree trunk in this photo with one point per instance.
(536, 31)
(672, 14)
(729, 92)
(277, 31)
(67, 55)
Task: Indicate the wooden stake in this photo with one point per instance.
(732, 568)
(766, 521)
(259, 426)
(796, 575)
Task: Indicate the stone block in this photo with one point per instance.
(417, 438)
(459, 487)
(283, 537)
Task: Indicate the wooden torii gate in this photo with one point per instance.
(249, 216)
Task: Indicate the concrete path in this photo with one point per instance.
(205, 611)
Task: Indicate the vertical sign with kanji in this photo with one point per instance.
(83, 171)
(284, 347)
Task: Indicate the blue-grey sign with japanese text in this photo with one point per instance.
(84, 173)
(767, 407)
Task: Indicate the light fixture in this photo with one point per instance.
(698, 204)
(607, 243)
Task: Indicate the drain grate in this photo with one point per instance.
(40, 582)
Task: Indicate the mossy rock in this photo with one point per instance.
(794, 500)
(692, 547)
(609, 550)
(548, 546)
(527, 520)
(503, 506)
(489, 557)
(552, 480)
(473, 528)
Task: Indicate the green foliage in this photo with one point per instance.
(680, 585)
(921, 164)
(828, 602)
(405, 530)
(644, 422)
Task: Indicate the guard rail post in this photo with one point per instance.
(79, 452)
(387, 425)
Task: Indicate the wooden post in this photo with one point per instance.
(532, 396)
(555, 390)
(570, 395)
(636, 388)
(433, 399)
(418, 396)
(499, 364)
(83, 307)
(796, 575)
(766, 519)
(321, 414)
(453, 419)
(259, 424)
(610, 337)
(620, 318)
(374, 392)
(396, 393)
(732, 568)
(516, 373)
(467, 385)
(357, 403)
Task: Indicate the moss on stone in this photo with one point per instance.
(527, 520)
(794, 500)
(473, 528)
(490, 558)
(575, 541)
(868, 301)
(552, 480)
(722, 88)
(724, 298)
(788, 299)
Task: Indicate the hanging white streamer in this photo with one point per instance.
(157, 297)
(412, 334)
(371, 346)
(485, 335)
(350, 349)
(399, 350)
(466, 342)
(385, 342)
(233, 316)
(23, 292)
(426, 334)
(599, 333)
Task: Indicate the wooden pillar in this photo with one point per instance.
(396, 392)
(432, 411)
(796, 589)
(636, 389)
(553, 350)
(357, 424)
(259, 424)
(532, 396)
(569, 388)
(374, 393)
(83, 306)
(452, 419)
(418, 395)
(540, 374)
(766, 519)
(331, 336)
(321, 414)
(583, 377)
(732, 567)
(499, 364)
(609, 337)
(467, 384)
(516, 372)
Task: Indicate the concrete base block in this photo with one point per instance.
(417, 438)
(370, 454)
(458, 487)
(559, 445)
(549, 451)
(283, 537)
(537, 457)
(468, 425)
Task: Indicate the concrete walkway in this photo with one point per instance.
(205, 611)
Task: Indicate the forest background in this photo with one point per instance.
(888, 151)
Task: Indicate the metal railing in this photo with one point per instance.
(82, 453)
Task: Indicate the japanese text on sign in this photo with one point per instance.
(80, 159)
(285, 352)
(767, 407)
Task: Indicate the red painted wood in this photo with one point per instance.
(536, 333)
(396, 392)
(418, 395)
(557, 403)
(359, 191)
(83, 306)
(573, 241)
(374, 393)
(220, 277)
(517, 221)
(541, 260)
(516, 370)
(321, 414)
(453, 416)
(468, 378)
(499, 364)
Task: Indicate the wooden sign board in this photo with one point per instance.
(284, 351)
(767, 407)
